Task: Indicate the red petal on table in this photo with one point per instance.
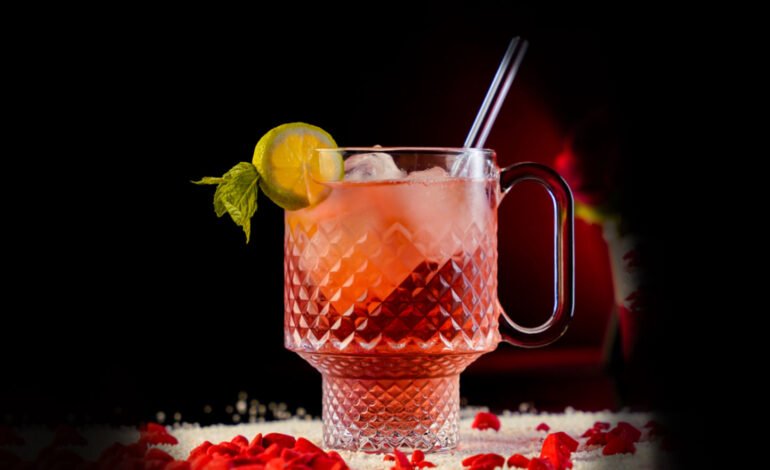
(424, 464)
(283, 440)
(518, 461)
(618, 445)
(303, 445)
(290, 454)
(402, 463)
(590, 432)
(148, 437)
(152, 427)
(240, 441)
(270, 453)
(566, 440)
(178, 465)
(543, 427)
(486, 420)
(154, 433)
(601, 426)
(484, 461)
(227, 449)
(157, 454)
(626, 431)
(540, 464)
(600, 438)
(388, 458)
(275, 464)
(557, 449)
(200, 450)
(256, 466)
(418, 460)
(333, 454)
(257, 441)
(200, 462)
(218, 464)
(152, 464)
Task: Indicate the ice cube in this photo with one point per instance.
(435, 173)
(372, 167)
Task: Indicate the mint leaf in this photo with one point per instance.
(236, 194)
(209, 180)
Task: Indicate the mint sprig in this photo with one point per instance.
(236, 194)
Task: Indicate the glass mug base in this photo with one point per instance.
(381, 402)
(379, 415)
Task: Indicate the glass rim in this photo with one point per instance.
(427, 150)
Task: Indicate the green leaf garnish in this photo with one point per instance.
(236, 194)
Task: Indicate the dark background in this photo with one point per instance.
(130, 296)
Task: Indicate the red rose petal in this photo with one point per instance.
(402, 463)
(518, 461)
(157, 454)
(486, 420)
(388, 458)
(557, 448)
(599, 438)
(484, 461)
(227, 449)
(178, 465)
(618, 445)
(200, 462)
(240, 441)
(626, 432)
(283, 440)
(418, 460)
(303, 445)
(540, 464)
(601, 426)
(257, 441)
(152, 464)
(153, 437)
(154, 427)
(543, 427)
(566, 440)
(200, 450)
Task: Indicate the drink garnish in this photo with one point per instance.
(285, 166)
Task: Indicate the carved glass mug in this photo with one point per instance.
(391, 288)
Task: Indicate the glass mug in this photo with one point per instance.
(390, 288)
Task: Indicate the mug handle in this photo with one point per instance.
(564, 255)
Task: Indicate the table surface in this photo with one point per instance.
(517, 435)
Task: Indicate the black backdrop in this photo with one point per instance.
(128, 296)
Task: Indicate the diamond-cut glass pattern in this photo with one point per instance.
(380, 415)
(390, 292)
